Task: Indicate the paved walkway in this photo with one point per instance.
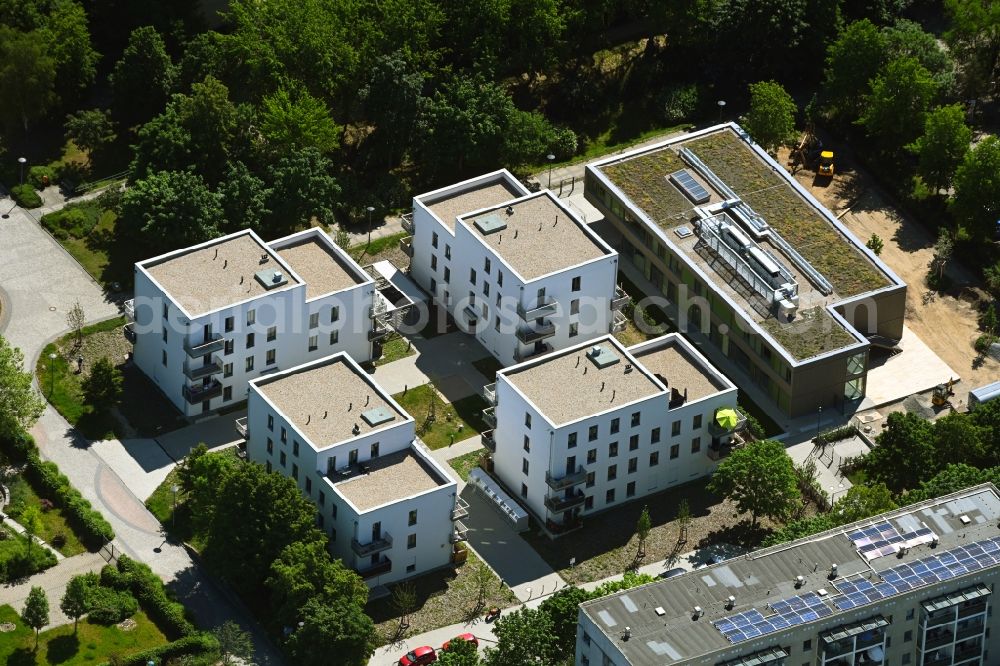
(40, 282)
(445, 359)
(54, 582)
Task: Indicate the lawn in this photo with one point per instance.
(395, 348)
(53, 522)
(93, 643)
(465, 463)
(88, 234)
(447, 596)
(452, 422)
(385, 248)
(142, 405)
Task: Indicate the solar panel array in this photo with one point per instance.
(857, 591)
(884, 539)
(689, 186)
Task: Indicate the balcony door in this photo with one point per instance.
(208, 332)
(376, 531)
(570, 464)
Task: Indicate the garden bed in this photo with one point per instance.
(466, 463)
(395, 348)
(16, 561)
(55, 529)
(448, 417)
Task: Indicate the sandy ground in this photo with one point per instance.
(947, 322)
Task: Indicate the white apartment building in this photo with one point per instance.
(912, 587)
(390, 509)
(592, 426)
(518, 270)
(209, 318)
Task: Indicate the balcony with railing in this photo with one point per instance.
(196, 394)
(718, 450)
(459, 533)
(532, 333)
(490, 393)
(128, 307)
(937, 638)
(407, 222)
(488, 441)
(969, 654)
(579, 475)
(128, 330)
(490, 416)
(241, 426)
(461, 509)
(972, 608)
(379, 331)
(527, 354)
(620, 300)
(406, 245)
(210, 346)
(370, 570)
(619, 323)
(384, 542)
(195, 371)
(941, 617)
(542, 308)
(717, 430)
(562, 503)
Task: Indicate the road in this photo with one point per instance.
(39, 283)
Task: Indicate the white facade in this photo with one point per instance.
(203, 360)
(562, 470)
(389, 533)
(514, 317)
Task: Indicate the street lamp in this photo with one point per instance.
(52, 375)
(173, 516)
(819, 417)
(22, 161)
(370, 209)
(722, 105)
(551, 158)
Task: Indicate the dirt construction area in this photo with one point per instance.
(946, 322)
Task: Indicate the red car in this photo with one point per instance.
(419, 656)
(461, 637)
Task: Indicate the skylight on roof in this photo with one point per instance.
(691, 188)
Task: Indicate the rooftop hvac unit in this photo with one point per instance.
(787, 309)
(833, 570)
(799, 581)
(736, 239)
(730, 602)
(698, 612)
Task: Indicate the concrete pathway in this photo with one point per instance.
(39, 282)
(380, 229)
(445, 359)
(54, 582)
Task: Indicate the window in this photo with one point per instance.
(571, 440)
(524, 491)
(472, 275)
(576, 283)
(633, 442)
(586, 638)
(609, 496)
(319, 520)
(251, 317)
(499, 278)
(230, 346)
(412, 520)
(163, 357)
(281, 458)
(295, 471)
(527, 420)
(270, 422)
(612, 472)
(447, 251)
(322, 498)
(592, 433)
(630, 489)
(272, 333)
(295, 447)
(807, 645)
(227, 393)
(588, 502)
(654, 458)
(697, 421)
(909, 614)
(696, 445)
(591, 456)
(250, 341)
(229, 324)
(270, 357)
(524, 465)
(333, 512)
(527, 444)
(314, 320)
(334, 313)
(636, 417)
(249, 364)
(908, 636)
(574, 306)
(496, 324)
(633, 465)
(434, 239)
(227, 370)
(486, 264)
(164, 335)
(411, 541)
(574, 330)
(675, 451)
(268, 466)
(434, 286)
(410, 568)
(654, 436)
(590, 479)
(675, 428)
(284, 435)
(615, 425)
(334, 337)
(309, 485)
(434, 262)
(166, 310)
(486, 288)
(613, 449)
(906, 659)
(447, 277)
(270, 445)
(373, 451)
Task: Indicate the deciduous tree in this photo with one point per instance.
(905, 453)
(332, 629)
(976, 205)
(898, 102)
(90, 129)
(974, 37)
(103, 388)
(76, 319)
(36, 611)
(524, 636)
(771, 119)
(303, 188)
(942, 146)
(75, 601)
(170, 209)
(27, 78)
(875, 244)
(142, 78)
(20, 404)
(563, 611)
(851, 62)
(235, 646)
(460, 653)
(862, 501)
(642, 528)
(760, 480)
(293, 119)
(68, 38)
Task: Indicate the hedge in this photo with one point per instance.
(152, 595)
(37, 175)
(195, 644)
(89, 524)
(108, 606)
(25, 196)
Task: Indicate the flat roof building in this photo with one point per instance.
(912, 586)
(592, 426)
(390, 509)
(746, 261)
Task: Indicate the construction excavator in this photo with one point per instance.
(809, 151)
(943, 393)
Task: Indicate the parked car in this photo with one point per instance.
(419, 656)
(461, 637)
(673, 572)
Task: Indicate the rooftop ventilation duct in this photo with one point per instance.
(833, 570)
(698, 612)
(799, 581)
(730, 602)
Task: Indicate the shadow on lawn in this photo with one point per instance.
(62, 648)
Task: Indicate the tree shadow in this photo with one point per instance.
(62, 648)
(22, 656)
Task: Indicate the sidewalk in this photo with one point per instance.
(54, 582)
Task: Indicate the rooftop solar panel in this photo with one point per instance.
(691, 188)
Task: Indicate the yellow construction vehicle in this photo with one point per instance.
(825, 165)
(943, 393)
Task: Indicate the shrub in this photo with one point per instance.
(93, 529)
(196, 644)
(76, 220)
(844, 432)
(678, 102)
(23, 564)
(38, 176)
(25, 196)
(983, 343)
(108, 606)
(151, 593)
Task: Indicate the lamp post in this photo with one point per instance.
(370, 209)
(52, 375)
(22, 161)
(819, 417)
(722, 105)
(173, 516)
(551, 158)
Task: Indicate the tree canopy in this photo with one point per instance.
(332, 629)
(771, 120)
(760, 480)
(170, 209)
(20, 404)
(942, 146)
(900, 97)
(976, 205)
